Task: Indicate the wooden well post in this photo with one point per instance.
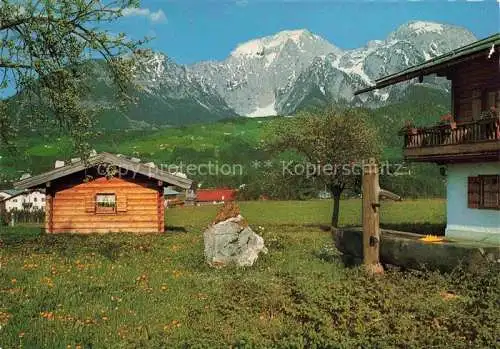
(371, 216)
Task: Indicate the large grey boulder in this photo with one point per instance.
(232, 241)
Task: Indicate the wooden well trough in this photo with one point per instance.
(409, 251)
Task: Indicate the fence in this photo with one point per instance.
(14, 217)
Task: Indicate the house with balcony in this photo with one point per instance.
(467, 146)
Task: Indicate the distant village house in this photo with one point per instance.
(172, 197)
(215, 196)
(20, 200)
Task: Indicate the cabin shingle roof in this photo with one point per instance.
(120, 162)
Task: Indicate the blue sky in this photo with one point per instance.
(194, 30)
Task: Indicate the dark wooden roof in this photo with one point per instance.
(15, 193)
(120, 162)
(440, 64)
(12, 192)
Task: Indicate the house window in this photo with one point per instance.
(476, 104)
(105, 203)
(484, 192)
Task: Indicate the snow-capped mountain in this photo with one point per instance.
(249, 77)
(281, 73)
(338, 76)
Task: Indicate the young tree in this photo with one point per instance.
(331, 145)
(46, 46)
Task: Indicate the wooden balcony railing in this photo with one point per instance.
(469, 132)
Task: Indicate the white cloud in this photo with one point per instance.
(158, 16)
(244, 3)
(154, 16)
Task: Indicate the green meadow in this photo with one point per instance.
(155, 291)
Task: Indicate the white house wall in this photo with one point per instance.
(464, 222)
(36, 198)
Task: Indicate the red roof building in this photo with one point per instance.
(216, 195)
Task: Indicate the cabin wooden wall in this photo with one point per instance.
(474, 84)
(140, 207)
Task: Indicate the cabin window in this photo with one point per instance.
(484, 192)
(105, 203)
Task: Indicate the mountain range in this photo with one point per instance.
(275, 75)
(282, 73)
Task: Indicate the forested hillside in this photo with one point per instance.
(240, 141)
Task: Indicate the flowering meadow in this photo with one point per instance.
(155, 291)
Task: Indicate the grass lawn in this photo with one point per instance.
(155, 291)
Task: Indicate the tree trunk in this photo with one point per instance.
(336, 210)
(336, 191)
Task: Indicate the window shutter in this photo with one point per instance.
(490, 192)
(492, 99)
(474, 192)
(90, 203)
(121, 203)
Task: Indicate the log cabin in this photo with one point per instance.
(468, 146)
(104, 194)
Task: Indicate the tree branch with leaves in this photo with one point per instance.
(46, 47)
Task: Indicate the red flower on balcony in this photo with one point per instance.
(448, 118)
(409, 128)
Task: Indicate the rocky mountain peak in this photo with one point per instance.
(433, 38)
(415, 28)
(275, 43)
(249, 77)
